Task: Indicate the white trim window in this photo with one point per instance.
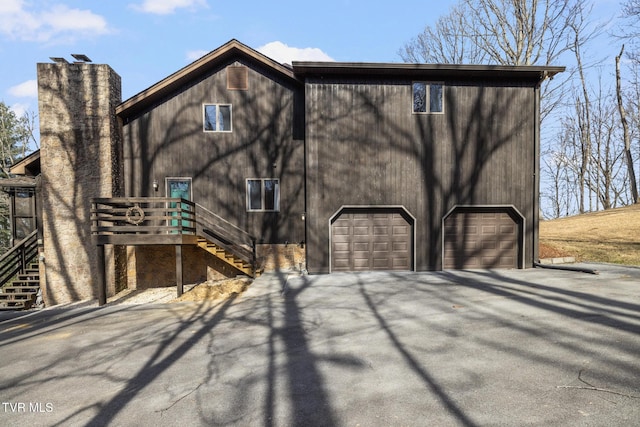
(263, 195)
(217, 117)
(428, 97)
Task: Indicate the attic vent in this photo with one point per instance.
(237, 78)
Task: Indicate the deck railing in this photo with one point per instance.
(142, 216)
(160, 220)
(226, 235)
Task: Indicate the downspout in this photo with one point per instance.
(535, 226)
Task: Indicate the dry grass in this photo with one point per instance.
(608, 236)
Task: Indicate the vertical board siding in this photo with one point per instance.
(365, 147)
(168, 140)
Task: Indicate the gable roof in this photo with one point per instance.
(29, 165)
(194, 70)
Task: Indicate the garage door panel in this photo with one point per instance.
(379, 230)
(371, 240)
(341, 246)
(361, 247)
(480, 240)
(381, 247)
(341, 231)
(507, 229)
(361, 231)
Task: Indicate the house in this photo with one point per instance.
(323, 166)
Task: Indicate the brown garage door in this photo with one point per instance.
(481, 238)
(371, 239)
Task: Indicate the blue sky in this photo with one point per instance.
(146, 40)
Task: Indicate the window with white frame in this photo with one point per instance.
(428, 97)
(217, 117)
(263, 195)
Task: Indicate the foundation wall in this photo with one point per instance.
(155, 266)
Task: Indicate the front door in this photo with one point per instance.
(179, 188)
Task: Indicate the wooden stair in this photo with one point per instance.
(226, 256)
(21, 293)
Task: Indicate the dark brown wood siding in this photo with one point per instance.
(267, 141)
(365, 147)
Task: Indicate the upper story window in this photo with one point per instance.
(428, 97)
(263, 195)
(217, 117)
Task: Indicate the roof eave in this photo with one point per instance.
(396, 69)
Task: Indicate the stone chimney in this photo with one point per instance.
(80, 152)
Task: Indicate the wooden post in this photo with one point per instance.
(102, 277)
(179, 275)
(254, 256)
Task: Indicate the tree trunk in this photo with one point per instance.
(625, 132)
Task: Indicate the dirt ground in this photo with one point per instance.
(206, 291)
(213, 290)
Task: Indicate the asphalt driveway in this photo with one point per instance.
(522, 347)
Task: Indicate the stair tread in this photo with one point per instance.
(17, 296)
(233, 260)
(26, 289)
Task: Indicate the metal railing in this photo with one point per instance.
(17, 259)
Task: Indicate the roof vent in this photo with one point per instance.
(237, 78)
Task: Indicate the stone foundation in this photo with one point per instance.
(282, 257)
(155, 266)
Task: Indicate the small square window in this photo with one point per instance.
(263, 195)
(217, 118)
(428, 97)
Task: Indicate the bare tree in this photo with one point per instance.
(506, 32)
(625, 132)
(450, 41)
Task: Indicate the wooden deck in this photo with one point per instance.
(131, 221)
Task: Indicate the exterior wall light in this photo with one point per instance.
(155, 185)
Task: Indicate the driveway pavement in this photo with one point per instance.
(474, 348)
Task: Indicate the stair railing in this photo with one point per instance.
(16, 259)
(226, 235)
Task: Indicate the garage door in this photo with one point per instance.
(371, 239)
(481, 238)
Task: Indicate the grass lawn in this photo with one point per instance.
(608, 236)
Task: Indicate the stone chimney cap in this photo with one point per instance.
(81, 57)
(58, 59)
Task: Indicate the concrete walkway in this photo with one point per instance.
(522, 347)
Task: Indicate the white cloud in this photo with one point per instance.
(20, 109)
(28, 89)
(57, 23)
(192, 55)
(167, 7)
(10, 6)
(61, 18)
(282, 53)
